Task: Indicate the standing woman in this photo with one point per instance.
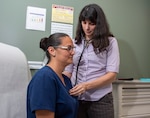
(95, 64)
(48, 92)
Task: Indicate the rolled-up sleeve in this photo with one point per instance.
(113, 57)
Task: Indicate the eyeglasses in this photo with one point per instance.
(68, 48)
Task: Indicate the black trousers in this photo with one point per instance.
(102, 108)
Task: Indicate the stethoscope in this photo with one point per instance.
(86, 44)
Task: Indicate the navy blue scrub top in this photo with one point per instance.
(47, 92)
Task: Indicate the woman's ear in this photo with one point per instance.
(51, 51)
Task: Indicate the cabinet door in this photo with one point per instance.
(131, 100)
(135, 101)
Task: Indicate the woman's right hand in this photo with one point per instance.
(78, 89)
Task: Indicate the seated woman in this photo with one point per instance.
(48, 92)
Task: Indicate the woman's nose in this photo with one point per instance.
(73, 52)
(87, 26)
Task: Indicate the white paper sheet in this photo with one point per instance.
(35, 18)
(61, 27)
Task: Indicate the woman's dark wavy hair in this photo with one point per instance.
(95, 14)
(52, 40)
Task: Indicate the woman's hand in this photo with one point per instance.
(78, 89)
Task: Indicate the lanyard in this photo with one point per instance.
(86, 44)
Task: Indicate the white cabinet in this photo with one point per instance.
(131, 99)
